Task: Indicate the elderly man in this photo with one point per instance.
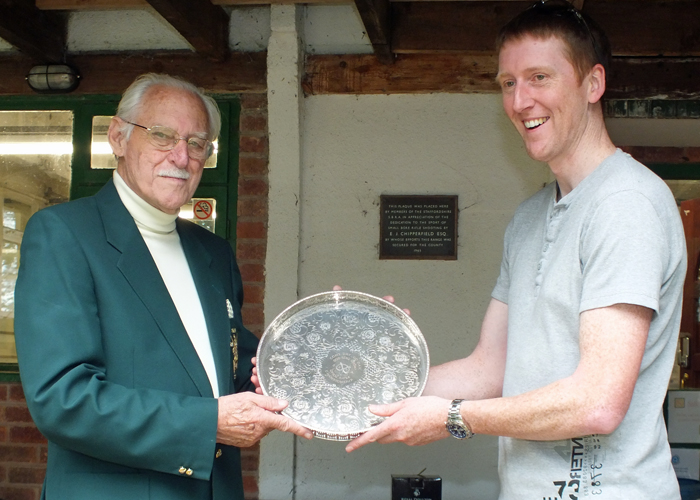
(578, 341)
(132, 353)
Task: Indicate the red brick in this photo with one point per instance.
(16, 454)
(254, 122)
(16, 392)
(252, 206)
(43, 454)
(3, 434)
(246, 250)
(26, 475)
(253, 144)
(19, 493)
(252, 230)
(253, 315)
(3, 392)
(17, 414)
(253, 294)
(250, 483)
(26, 434)
(3, 474)
(253, 101)
(248, 186)
(252, 166)
(252, 273)
(249, 463)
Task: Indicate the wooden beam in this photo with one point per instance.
(40, 35)
(462, 73)
(203, 25)
(652, 29)
(646, 78)
(635, 28)
(111, 74)
(410, 74)
(375, 16)
(450, 26)
(136, 4)
(89, 4)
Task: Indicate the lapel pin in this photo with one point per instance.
(229, 309)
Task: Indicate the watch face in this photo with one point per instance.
(457, 430)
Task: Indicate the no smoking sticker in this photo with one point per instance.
(203, 210)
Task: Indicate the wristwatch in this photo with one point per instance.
(455, 424)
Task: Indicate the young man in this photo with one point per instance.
(133, 357)
(578, 342)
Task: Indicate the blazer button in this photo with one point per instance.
(182, 470)
(189, 472)
(219, 453)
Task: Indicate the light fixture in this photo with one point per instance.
(53, 79)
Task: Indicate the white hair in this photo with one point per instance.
(132, 100)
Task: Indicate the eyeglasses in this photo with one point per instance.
(563, 7)
(165, 139)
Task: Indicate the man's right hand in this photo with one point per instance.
(246, 418)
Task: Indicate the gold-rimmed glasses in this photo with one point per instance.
(165, 139)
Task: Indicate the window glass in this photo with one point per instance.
(684, 189)
(35, 170)
(101, 155)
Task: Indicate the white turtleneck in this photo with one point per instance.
(158, 231)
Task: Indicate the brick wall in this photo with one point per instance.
(251, 234)
(23, 448)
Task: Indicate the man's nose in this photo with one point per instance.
(180, 154)
(521, 99)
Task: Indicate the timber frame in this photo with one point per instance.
(419, 47)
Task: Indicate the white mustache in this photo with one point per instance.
(174, 172)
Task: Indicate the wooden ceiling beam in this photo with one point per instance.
(40, 35)
(649, 28)
(463, 73)
(89, 4)
(136, 4)
(202, 24)
(410, 74)
(376, 16)
(111, 74)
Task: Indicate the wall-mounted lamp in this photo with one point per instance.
(53, 79)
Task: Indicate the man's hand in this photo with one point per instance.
(254, 377)
(246, 418)
(413, 421)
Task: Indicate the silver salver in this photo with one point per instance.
(333, 354)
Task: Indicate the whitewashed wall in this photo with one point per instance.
(354, 150)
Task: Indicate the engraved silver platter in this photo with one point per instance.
(333, 354)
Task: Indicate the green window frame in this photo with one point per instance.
(220, 182)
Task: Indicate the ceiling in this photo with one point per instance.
(657, 40)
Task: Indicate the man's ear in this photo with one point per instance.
(596, 87)
(117, 138)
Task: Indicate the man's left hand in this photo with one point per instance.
(413, 421)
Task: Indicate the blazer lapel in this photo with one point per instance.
(213, 299)
(139, 269)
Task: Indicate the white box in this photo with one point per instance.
(684, 417)
(686, 463)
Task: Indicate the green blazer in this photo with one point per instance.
(108, 370)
